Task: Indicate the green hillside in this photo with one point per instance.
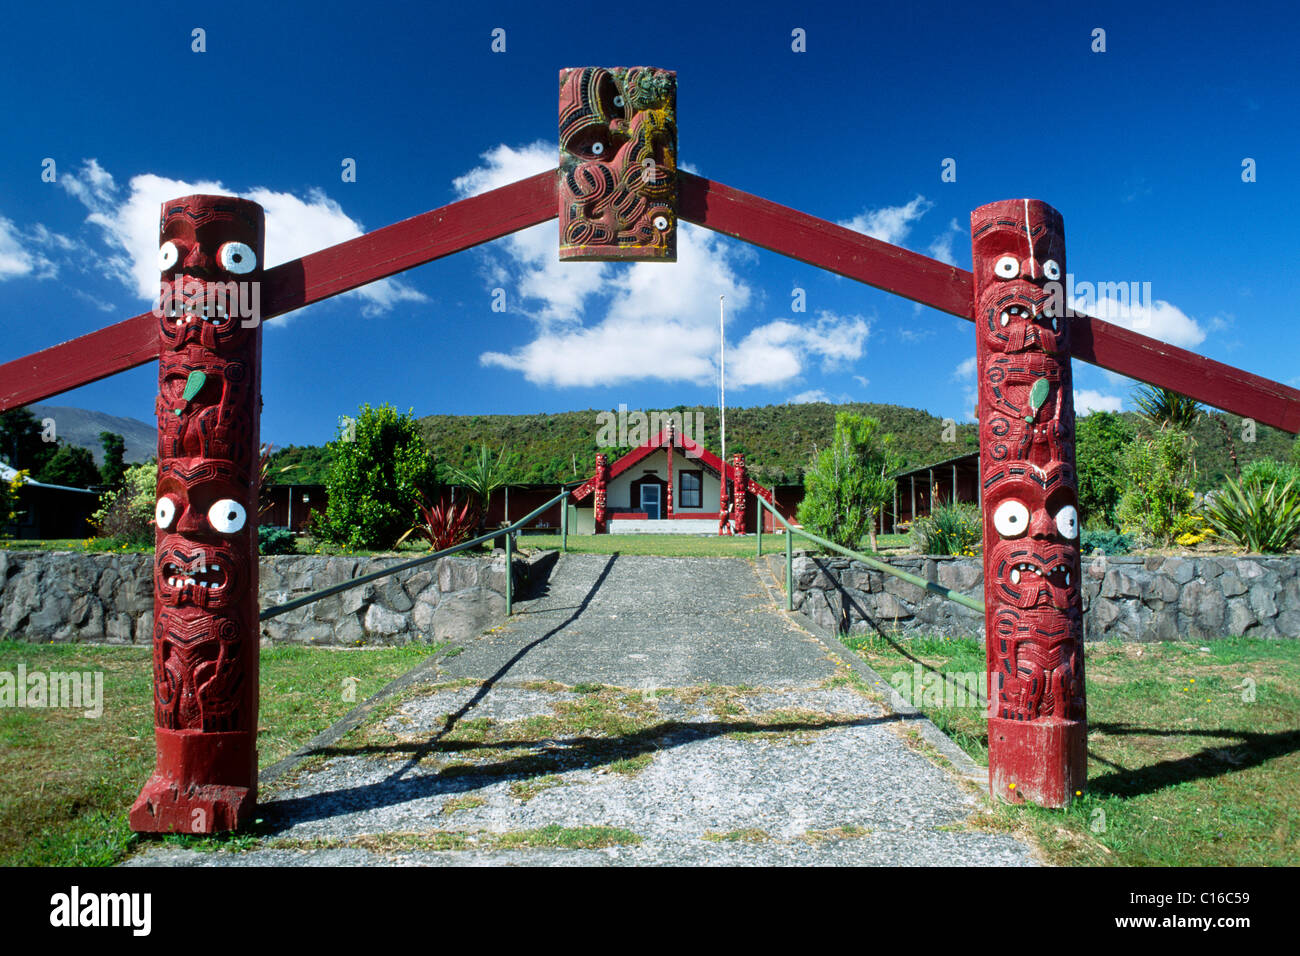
(778, 441)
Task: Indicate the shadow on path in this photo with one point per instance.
(578, 753)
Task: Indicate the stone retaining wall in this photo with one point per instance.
(72, 597)
(1125, 598)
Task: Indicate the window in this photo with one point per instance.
(689, 485)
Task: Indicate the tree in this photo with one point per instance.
(1100, 439)
(381, 470)
(21, 441)
(849, 482)
(71, 466)
(113, 469)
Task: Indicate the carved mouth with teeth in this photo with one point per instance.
(1038, 577)
(210, 576)
(1032, 317)
(1058, 576)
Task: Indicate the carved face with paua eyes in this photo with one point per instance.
(1018, 254)
(205, 253)
(1031, 527)
(203, 535)
(618, 164)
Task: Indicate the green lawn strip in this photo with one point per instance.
(70, 780)
(552, 836)
(1192, 754)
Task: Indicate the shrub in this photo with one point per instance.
(9, 513)
(127, 513)
(849, 482)
(1158, 475)
(1107, 541)
(379, 471)
(1262, 517)
(271, 540)
(949, 529)
(444, 525)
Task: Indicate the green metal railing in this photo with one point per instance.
(508, 531)
(790, 532)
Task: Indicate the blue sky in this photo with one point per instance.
(1140, 148)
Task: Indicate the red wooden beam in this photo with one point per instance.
(292, 285)
(949, 289)
(479, 219)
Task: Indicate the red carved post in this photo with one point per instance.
(741, 500)
(618, 164)
(672, 440)
(598, 501)
(1033, 607)
(205, 636)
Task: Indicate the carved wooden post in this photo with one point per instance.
(598, 501)
(205, 636)
(672, 440)
(1033, 607)
(741, 499)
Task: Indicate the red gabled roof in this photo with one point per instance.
(692, 448)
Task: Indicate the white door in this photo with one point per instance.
(650, 501)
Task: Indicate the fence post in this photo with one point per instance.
(205, 625)
(1033, 620)
(510, 573)
(564, 524)
(789, 570)
(759, 552)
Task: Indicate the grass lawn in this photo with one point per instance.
(1193, 754)
(68, 781)
(671, 545)
(682, 545)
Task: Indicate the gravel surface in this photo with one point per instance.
(727, 744)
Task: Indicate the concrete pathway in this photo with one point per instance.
(642, 710)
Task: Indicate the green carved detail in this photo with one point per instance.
(194, 384)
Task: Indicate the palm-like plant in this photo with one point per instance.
(483, 476)
(1261, 516)
(1164, 407)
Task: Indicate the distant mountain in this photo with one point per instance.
(78, 426)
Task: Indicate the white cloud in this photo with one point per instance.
(1087, 400)
(1157, 318)
(294, 227)
(862, 380)
(23, 253)
(780, 350)
(941, 247)
(965, 370)
(805, 398)
(602, 323)
(892, 223)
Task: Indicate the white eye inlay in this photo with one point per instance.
(1011, 519)
(165, 512)
(1067, 522)
(168, 255)
(661, 223)
(618, 101)
(226, 516)
(597, 148)
(1008, 267)
(1051, 270)
(236, 257)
